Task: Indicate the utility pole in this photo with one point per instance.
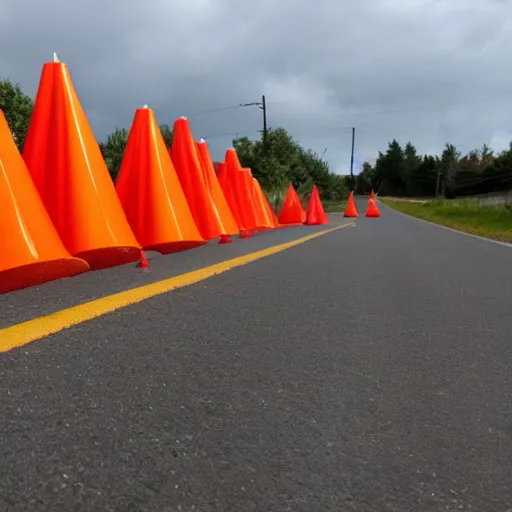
(352, 160)
(438, 181)
(263, 106)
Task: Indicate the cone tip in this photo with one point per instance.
(201, 140)
(183, 117)
(145, 106)
(55, 57)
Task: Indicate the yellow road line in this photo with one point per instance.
(26, 332)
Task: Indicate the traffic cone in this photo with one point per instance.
(150, 191)
(315, 214)
(372, 194)
(225, 239)
(251, 205)
(241, 190)
(227, 221)
(351, 210)
(65, 162)
(229, 189)
(267, 214)
(32, 251)
(372, 210)
(292, 211)
(186, 160)
(143, 263)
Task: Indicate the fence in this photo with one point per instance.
(491, 199)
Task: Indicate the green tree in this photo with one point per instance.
(389, 170)
(17, 107)
(410, 168)
(167, 134)
(448, 166)
(113, 150)
(365, 180)
(283, 161)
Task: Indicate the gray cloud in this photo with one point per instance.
(429, 71)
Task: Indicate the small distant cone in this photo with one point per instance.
(292, 211)
(372, 194)
(143, 263)
(65, 162)
(151, 193)
(225, 239)
(32, 252)
(372, 210)
(227, 220)
(315, 214)
(186, 160)
(351, 210)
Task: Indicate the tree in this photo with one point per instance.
(17, 107)
(448, 166)
(167, 134)
(113, 150)
(410, 168)
(283, 161)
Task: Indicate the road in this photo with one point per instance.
(369, 369)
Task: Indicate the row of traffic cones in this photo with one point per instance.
(63, 215)
(371, 212)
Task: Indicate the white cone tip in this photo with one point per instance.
(55, 57)
(201, 140)
(183, 117)
(145, 106)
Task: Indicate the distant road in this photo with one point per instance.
(368, 370)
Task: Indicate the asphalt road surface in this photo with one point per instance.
(369, 369)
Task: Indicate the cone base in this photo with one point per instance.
(373, 215)
(350, 215)
(107, 257)
(40, 272)
(172, 247)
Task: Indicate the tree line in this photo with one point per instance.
(401, 171)
(275, 162)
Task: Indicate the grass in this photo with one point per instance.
(493, 221)
(334, 206)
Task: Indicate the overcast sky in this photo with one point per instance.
(429, 71)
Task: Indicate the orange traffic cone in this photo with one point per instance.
(269, 219)
(227, 220)
(68, 170)
(270, 211)
(229, 193)
(372, 210)
(239, 183)
(251, 205)
(32, 252)
(351, 210)
(143, 263)
(292, 211)
(315, 214)
(151, 193)
(186, 160)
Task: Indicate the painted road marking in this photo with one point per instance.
(37, 328)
